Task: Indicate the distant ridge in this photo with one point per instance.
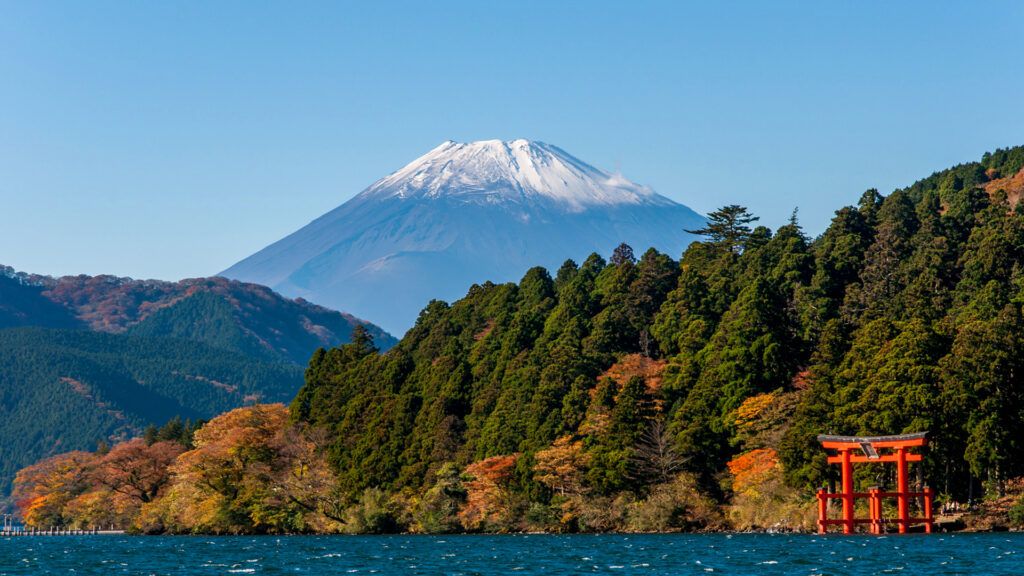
(242, 317)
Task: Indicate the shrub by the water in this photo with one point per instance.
(1017, 513)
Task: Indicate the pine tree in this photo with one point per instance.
(728, 227)
(362, 341)
(623, 254)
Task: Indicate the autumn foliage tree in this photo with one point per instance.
(43, 490)
(249, 472)
(137, 470)
(562, 467)
(488, 497)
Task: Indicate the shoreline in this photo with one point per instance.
(9, 535)
(768, 532)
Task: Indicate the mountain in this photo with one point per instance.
(237, 316)
(462, 214)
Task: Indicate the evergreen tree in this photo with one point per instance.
(362, 341)
(880, 279)
(728, 227)
(748, 354)
(981, 379)
(623, 254)
(633, 408)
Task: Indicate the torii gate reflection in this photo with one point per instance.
(875, 449)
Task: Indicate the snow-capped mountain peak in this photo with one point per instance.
(521, 171)
(464, 213)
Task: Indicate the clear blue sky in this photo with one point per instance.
(171, 139)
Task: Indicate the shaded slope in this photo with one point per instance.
(22, 304)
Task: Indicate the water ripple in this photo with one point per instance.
(677, 554)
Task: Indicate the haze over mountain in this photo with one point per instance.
(461, 214)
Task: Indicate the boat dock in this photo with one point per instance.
(10, 529)
(22, 531)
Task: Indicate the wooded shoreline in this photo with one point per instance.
(635, 394)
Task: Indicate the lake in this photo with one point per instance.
(974, 554)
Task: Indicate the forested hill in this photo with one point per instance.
(85, 359)
(606, 378)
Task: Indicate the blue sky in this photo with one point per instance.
(165, 140)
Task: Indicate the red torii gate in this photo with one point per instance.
(875, 449)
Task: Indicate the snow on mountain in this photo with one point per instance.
(516, 171)
(464, 213)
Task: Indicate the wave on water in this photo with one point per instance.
(662, 554)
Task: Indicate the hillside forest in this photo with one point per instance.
(85, 359)
(637, 392)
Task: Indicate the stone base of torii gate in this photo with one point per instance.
(874, 450)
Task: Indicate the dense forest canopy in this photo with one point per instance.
(643, 393)
(904, 315)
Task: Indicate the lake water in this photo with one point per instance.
(974, 554)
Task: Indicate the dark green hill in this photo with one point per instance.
(67, 389)
(904, 315)
(254, 321)
(208, 318)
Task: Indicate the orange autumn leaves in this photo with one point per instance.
(760, 497)
(488, 498)
(755, 420)
(249, 471)
(562, 466)
(136, 470)
(751, 469)
(42, 490)
(87, 490)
